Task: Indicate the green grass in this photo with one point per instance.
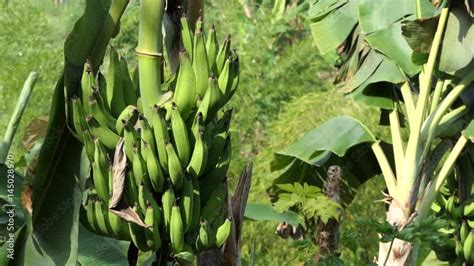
(285, 91)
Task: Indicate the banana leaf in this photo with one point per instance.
(51, 233)
(341, 141)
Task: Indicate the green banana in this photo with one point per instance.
(115, 94)
(91, 217)
(119, 227)
(130, 140)
(185, 257)
(214, 204)
(175, 168)
(89, 145)
(212, 47)
(205, 238)
(187, 36)
(196, 211)
(176, 229)
(160, 130)
(470, 222)
(223, 232)
(235, 75)
(226, 78)
(87, 84)
(129, 91)
(180, 135)
(463, 231)
(128, 117)
(198, 160)
(102, 219)
(186, 203)
(78, 118)
(468, 247)
(153, 167)
(211, 102)
(139, 168)
(454, 211)
(200, 63)
(137, 233)
(216, 148)
(152, 233)
(198, 125)
(223, 124)
(469, 208)
(459, 249)
(222, 55)
(131, 188)
(105, 135)
(100, 174)
(167, 201)
(217, 175)
(99, 113)
(185, 92)
(147, 133)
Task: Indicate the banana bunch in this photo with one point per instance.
(178, 151)
(460, 249)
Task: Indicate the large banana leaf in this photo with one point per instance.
(342, 141)
(51, 234)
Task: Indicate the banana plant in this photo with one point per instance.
(413, 60)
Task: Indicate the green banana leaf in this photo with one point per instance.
(263, 212)
(342, 141)
(51, 233)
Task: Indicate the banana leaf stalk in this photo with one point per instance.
(20, 107)
(150, 52)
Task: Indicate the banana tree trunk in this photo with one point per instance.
(397, 252)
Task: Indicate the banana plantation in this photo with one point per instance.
(239, 132)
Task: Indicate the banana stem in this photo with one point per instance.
(150, 52)
(397, 142)
(17, 114)
(436, 183)
(387, 172)
(413, 152)
(436, 95)
(409, 102)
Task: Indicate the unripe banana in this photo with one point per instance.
(152, 233)
(131, 139)
(91, 217)
(223, 232)
(89, 144)
(153, 167)
(87, 84)
(78, 118)
(128, 117)
(175, 168)
(198, 125)
(100, 173)
(213, 206)
(470, 222)
(147, 133)
(236, 76)
(210, 181)
(139, 168)
(468, 248)
(469, 208)
(180, 135)
(212, 47)
(160, 129)
(200, 63)
(137, 233)
(115, 95)
(186, 203)
(101, 215)
(198, 160)
(211, 102)
(226, 78)
(100, 114)
(185, 92)
(205, 237)
(167, 201)
(223, 124)
(129, 92)
(223, 54)
(185, 257)
(463, 231)
(187, 36)
(459, 249)
(131, 188)
(105, 135)
(217, 147)
(196, 212)
(119, 227)
(176, 229)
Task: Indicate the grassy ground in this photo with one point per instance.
(285, 91)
